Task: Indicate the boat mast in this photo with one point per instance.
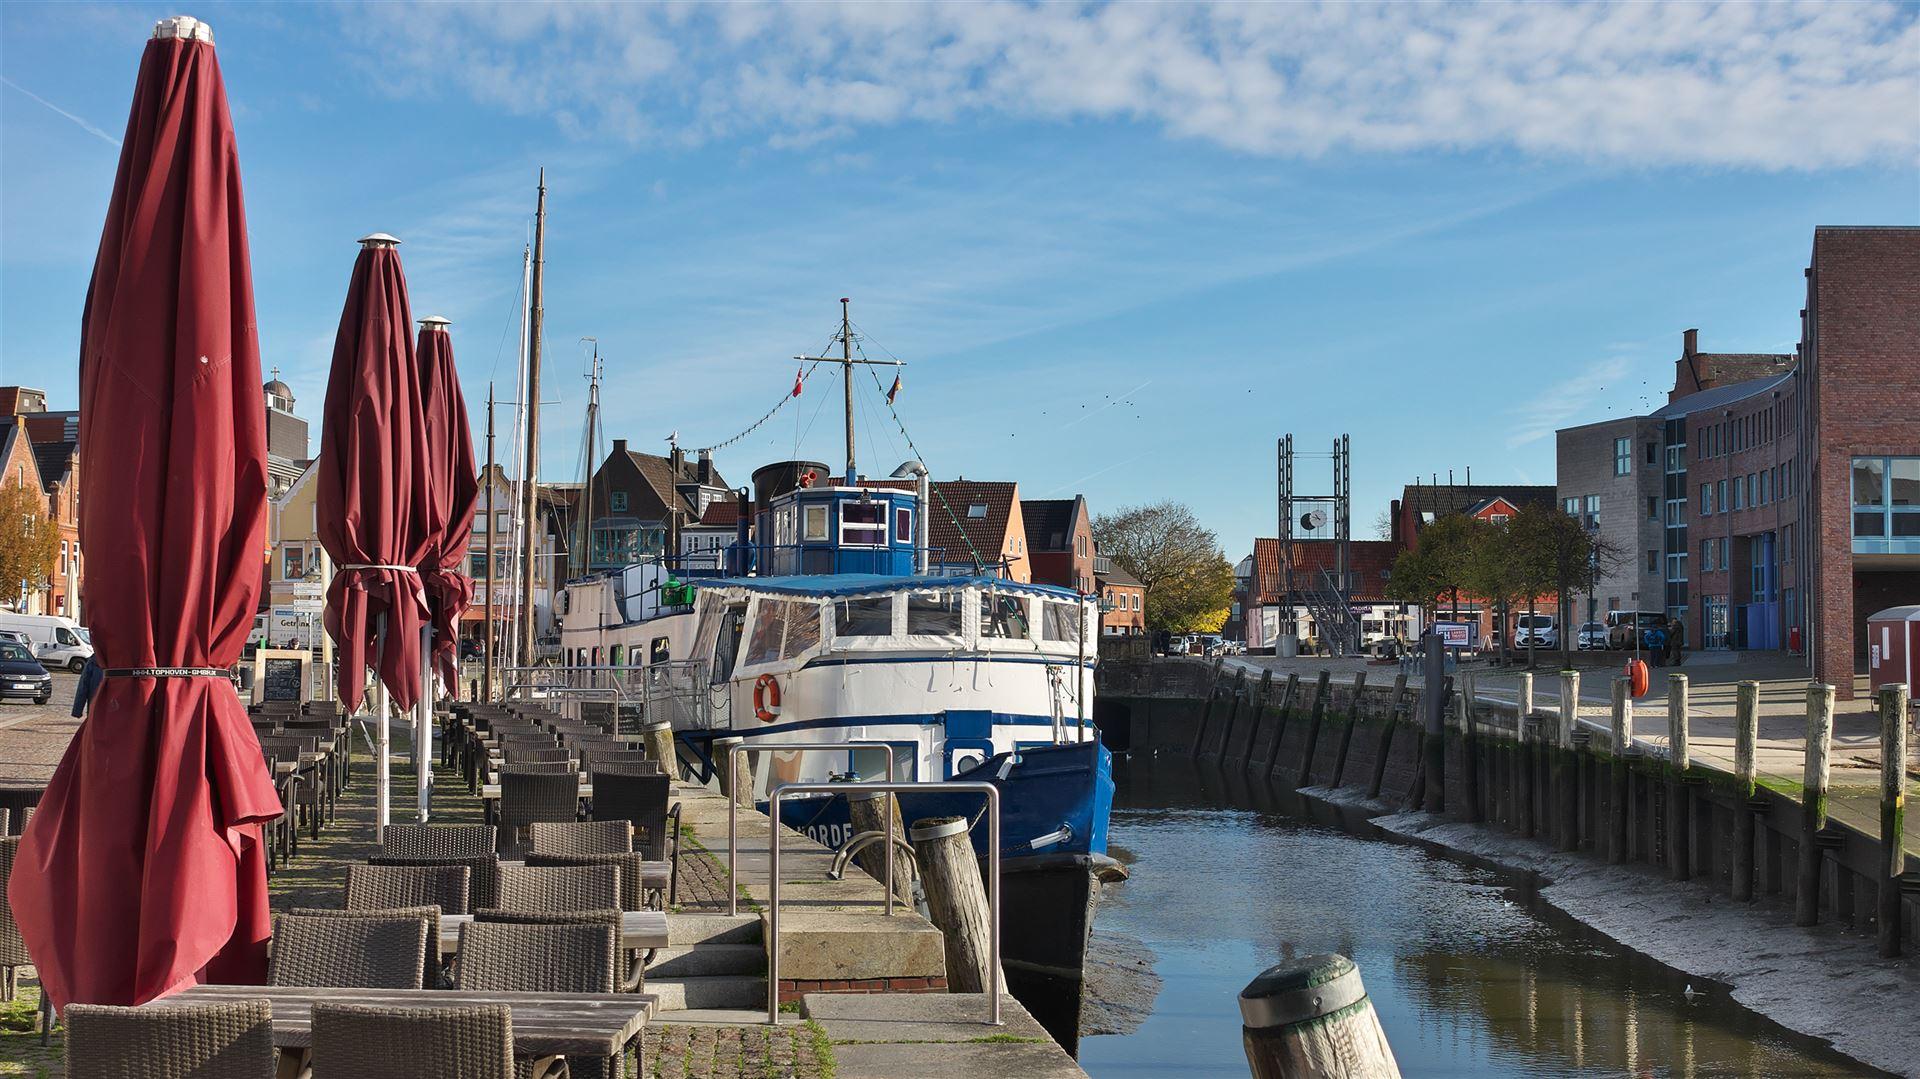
(530, 475)
(587, 458)
(846, 380)
(492, 537)
(510, 639)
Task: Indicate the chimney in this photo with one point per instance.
(705, 471)
(1692, 342)
(619, 446)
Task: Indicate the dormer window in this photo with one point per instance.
(977, 511)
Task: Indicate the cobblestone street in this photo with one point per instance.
(33, 736)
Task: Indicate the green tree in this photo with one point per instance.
(29, 542)
(1436, 567)
(1188, 582)
(1494, 573)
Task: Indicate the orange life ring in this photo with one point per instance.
(1637, 678)
(766, 698)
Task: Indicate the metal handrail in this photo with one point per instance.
(773, 819)
(993, 875)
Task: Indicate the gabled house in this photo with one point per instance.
(1421, 504)
(1059, 534)
(19, 467)
(641, 501)
(1261, 602)
(56, 449)
(1123, 600)
(977, 521)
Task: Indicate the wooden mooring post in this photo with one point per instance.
(1433, 737)
(1321, 689)
(1679, 759)
(1346, 729)
(1206, 711)
(1263, 699)
(1566, 780)
(1289, 694)
(1893, 812)
(1469, 766)
(1746, 734)
(868, 813)
(659, 740)
(1312, 1019)
(1523, 772)
(956, 899)
(1620, 782)
(1385, 747)
(1813, 804)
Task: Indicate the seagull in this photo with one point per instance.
(1689, 993)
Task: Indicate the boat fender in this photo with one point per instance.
(766, 698)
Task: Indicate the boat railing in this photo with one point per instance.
(888, 788)
(734, 755)
(672, 691)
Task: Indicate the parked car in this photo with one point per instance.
(21, 675)
(1624, 626)
(56, 641)
(1592, 637)
(1537, 630)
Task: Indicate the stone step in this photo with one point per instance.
(702, 960)
(716, 991)
(687, 930)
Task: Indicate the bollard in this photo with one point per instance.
(1312, 1019)
(1321, 690)
(1746, 733)
(868, 813)
(659, 741)
(956, 899)
(1566, 782)
(1620, 784)
(1679, 857)
(1813, 804)
(1893, 811)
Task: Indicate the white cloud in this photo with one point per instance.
(1772, 86)
(1554, 407)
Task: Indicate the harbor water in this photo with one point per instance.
(1470, 973)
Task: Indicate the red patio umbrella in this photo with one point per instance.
(455, 491)
(143, 871)
(372, 498)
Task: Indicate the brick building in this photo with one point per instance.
(640, 501)
(54, 440)
(1059, 534)
(980, 519)
(1123, 600)
(1259, 592)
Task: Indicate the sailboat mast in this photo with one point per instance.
(516, 452)
(492, 534)
(530, 476)
(846, 380)
(587, 456)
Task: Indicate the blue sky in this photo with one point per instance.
(1122, 248)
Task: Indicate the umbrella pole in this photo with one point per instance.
(423, 726)
(382, 776)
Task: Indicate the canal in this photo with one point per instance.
(1471, 974)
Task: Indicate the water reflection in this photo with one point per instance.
(1469, 972)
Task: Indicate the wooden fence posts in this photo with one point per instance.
(1312, 1019)
(1679, 759)
(1893, 811)
(1619, 783)
(1813, 803)
(1746, 733)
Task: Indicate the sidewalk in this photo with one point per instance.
(1712, 678)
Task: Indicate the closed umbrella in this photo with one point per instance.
(143, 871)
(453, 490)
(372, 496)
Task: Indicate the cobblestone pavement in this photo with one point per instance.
(723, 1052)
(33, 736)
(701, 879)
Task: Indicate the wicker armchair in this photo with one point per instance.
(550, 889)
(534, 753)
(635, 889)
(385, 887)
(432, 974)
(13, 950)
(581, 837)
(227, 1040)
(483, 887)
(439, 841)
(523, 957)
(621, 792)
(356, 1041)
(526, 797)
(595, 757)
(377, 951)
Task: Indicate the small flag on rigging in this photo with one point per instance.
(894, 390)
(798, 379)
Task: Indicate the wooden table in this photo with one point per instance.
(490, 792)
(639, 929)
(544, 1024)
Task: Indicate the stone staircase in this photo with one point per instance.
(711, 962)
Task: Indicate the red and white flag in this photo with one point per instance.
(798, 379)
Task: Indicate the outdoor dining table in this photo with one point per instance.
(544, 1024)
(16, 797)
(639, 929)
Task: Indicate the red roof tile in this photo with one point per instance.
(1372, 560)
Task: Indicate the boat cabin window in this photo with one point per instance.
(815, 523)
(1002, 615)
(658, 651)
(803, 627)
(1061, 622)
(726, 645)
(769, 627)
(616, 655)
(902, 525)
(933, 614)
(871, 617)
(863, 524)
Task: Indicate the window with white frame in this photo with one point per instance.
(1622, 456)
(863, 524)
(813, 525)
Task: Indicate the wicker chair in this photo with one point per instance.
(551, 889)
(316, 784)
(581, 837)
(13, 950)
(529, 796)
(439, 840)
(385, 887)
(432, 974)
(594, 758)
(632, 865)
(483, 886)
(226, 1040)
(371, 952)
(534, 753)
(522, 957)
(356, 1041)
(620, 792)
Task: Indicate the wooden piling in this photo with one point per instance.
(1320, 692)
(1679, 759)
(659, 740)
(868, 813)
(1236, 695)
(1893, 812)
(1566, 780)
(956, 899)
(1289, 694)
(1746, 734)
(1346, 729)
(1433, 746)
(1312, 1019)
(1619, 783)
(1206, 711)
(1469, 766)
(1386, 734)
(1263, 699)
(1813, 803)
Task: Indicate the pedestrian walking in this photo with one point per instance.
(1676, 642)
(1656, 643)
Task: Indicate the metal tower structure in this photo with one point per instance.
(1326, 592)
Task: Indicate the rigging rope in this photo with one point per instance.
(755, 425)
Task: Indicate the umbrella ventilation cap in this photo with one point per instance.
(436, 322)
(185, 27)
(379, 239)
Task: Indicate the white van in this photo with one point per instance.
(56, 641)
(1536, 629)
